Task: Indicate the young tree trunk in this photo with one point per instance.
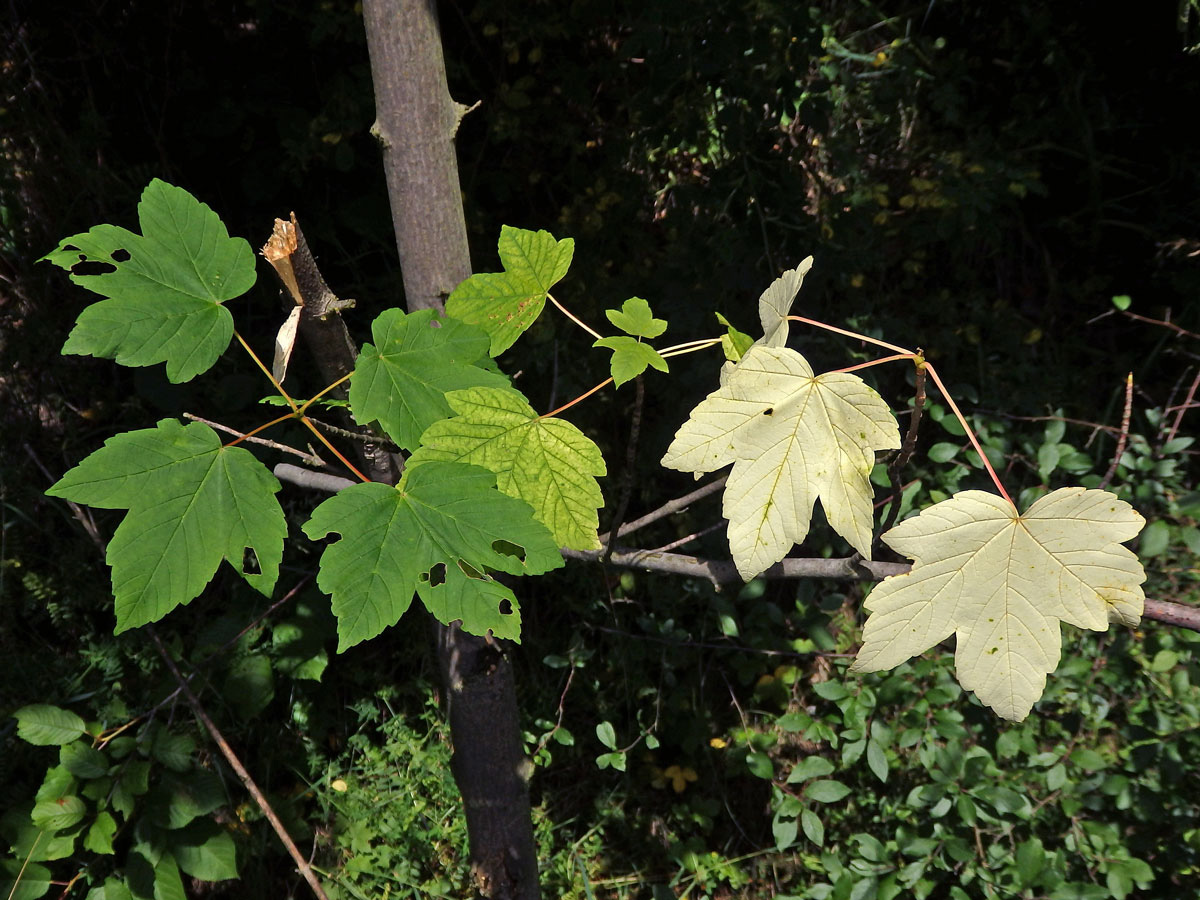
(416, 121)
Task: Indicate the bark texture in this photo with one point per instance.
(416, 121)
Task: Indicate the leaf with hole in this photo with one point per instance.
(435, 534)
(505, 304)
(1002, 582)
(792, 437)
(547, 462)
(165, 287)
(191, 503)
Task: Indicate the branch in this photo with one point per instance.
(668, 508)
(852, 568)
(310, 480)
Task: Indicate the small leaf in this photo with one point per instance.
(1122, 301)
(166, 288)
(505, 304)
(760, 765)
(204, 850)
(943, 452)
(191, 504)
(401, 380)
(59, 814)
(827, 791)
(630, 358)
(877, 761)
(784, 830)
(173, 750)
(634, 318)
(734, 343)
(46, 725)
(607, 735)
(100, 834)
(813, 829)
(810, 767)
(180, 798)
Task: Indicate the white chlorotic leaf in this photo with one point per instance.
(792, 437)
(1002, 582)
(285, 340)
(776, 303)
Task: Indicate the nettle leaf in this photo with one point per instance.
(506, 303)
(792, 438)
(548, 463)
(191, 504)
(401, 380)
(635, 318)
(1002, 582)
(776, 302)
(630, 358)
(165, 286)
(436, 533)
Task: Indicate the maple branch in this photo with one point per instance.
(722, 571)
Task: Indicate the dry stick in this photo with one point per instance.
(668, 508)
(635, 428)
(1112, 469)
(236, 765)
(311, 458)
(1187, 404)
(687, 540)
(852, 568)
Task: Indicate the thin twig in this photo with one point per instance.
(695, 535)
(1187, 404)
(672, 506)
(361, 437)
(1124, 436)
(236, 764)
(635, 427)
(82, 516)
(311, 458)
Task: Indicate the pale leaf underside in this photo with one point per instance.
(1002, 582)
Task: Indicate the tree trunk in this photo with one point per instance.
(416, 121)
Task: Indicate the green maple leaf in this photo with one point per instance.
(792, 438)
(191, 504)
(1002, 582)
(630, 358)
(166, 288)
(548, 463)
(401, 380)
(436, 534)
(506, 303)
(634, 317)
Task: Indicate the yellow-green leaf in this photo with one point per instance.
(1002, 582)
(548, 463)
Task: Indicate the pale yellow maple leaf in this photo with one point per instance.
(792, 437)
(1002, 582)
